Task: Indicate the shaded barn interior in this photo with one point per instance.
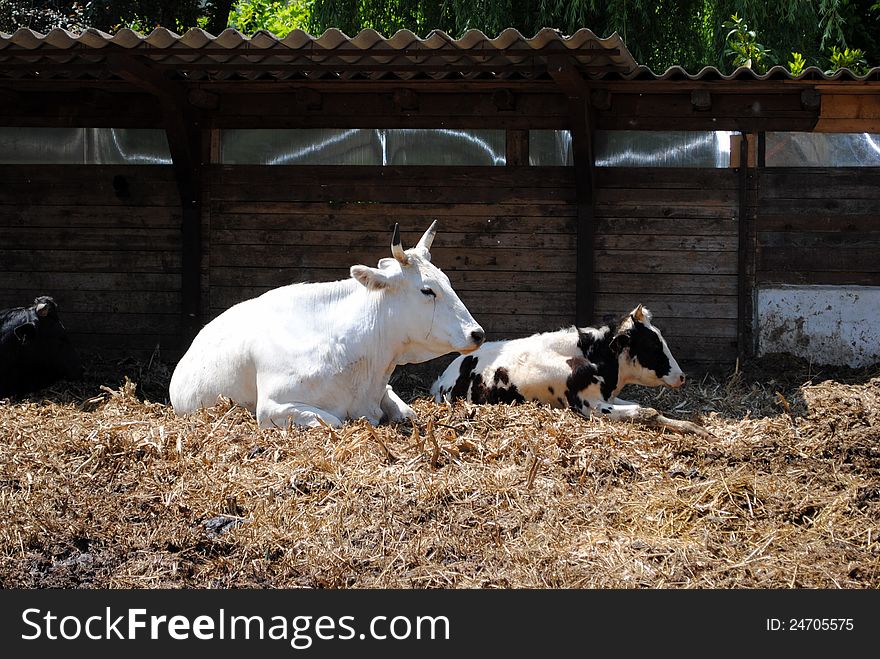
(139, 256)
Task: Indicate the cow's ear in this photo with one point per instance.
(640, 314)
(619, 343)
(372, 278)
(25, 333)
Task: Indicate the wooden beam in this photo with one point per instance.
(746, 248)
(517, 148)
(184, 133)
(580, 113)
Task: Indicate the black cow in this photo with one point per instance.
(35, 350)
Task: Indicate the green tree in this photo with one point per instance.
(278, 17)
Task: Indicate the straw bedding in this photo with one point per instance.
(103, 486)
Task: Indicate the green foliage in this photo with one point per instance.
(797, 64)
(743, 46)
(278, 17)
(848, 58)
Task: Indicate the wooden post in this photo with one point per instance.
(185, 143)
(517, 152)
(581, 124)
(746, 246)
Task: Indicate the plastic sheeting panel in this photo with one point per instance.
(549, 148)
(363, 146)
(822, 149)
(639, 148)
(89, 146)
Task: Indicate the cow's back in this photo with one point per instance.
(217, 363)
(531, 368)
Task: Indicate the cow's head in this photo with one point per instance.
(419, 300)
(47, 341)
(643, 354)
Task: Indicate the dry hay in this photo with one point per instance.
(105, 487)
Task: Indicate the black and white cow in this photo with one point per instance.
(35, 350)
(582, 368)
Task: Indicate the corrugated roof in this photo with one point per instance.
(200, 56)
(777, 72)
(197, 55)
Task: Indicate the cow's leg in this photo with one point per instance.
(280, 415)
(393, 408)
(646, 416)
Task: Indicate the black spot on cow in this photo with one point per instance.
(552, 392)
(479, 391)
(463, 382)
(560, 401)
(497, 393)
(583, 374)
(597, 349)
(646, 346)
(35, 350)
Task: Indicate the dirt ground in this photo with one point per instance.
(103, 486)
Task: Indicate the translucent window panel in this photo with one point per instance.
(127, 146)
(363, 146)
(440, 146)
(549, 148)
(78, 146)
(822, 149)
(308, 146)
(637, 148)
(42, 146)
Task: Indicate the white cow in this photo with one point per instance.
(324, 352)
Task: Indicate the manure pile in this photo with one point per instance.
(103, 486)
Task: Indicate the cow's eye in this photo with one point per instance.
(429, 292)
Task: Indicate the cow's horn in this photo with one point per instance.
(396, 248)
(428, 238)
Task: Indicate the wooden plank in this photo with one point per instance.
(106, 217)
(88, 281)
(819, 183)
(372, 211)
(87, 322)
(826, 239)
(667, 226)
(671, 211)
(819, 222)
(447, 258)
(664, 306)
(474, 192)
(813, 277)
(683, 262)
(382, 224)
(818, 259)
(665, 178)
(647, 241)
(819, 206)
(228, 177)
(623, 197)
(849, 106)
(126, 344)
(659, 283)
(103, 302)
(353, 239)
(80, 238)
(89, 261)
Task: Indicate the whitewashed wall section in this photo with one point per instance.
(831, 325)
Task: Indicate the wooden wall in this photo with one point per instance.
(818, 226)
(667, 238)
(505, 236)
(104, 241)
